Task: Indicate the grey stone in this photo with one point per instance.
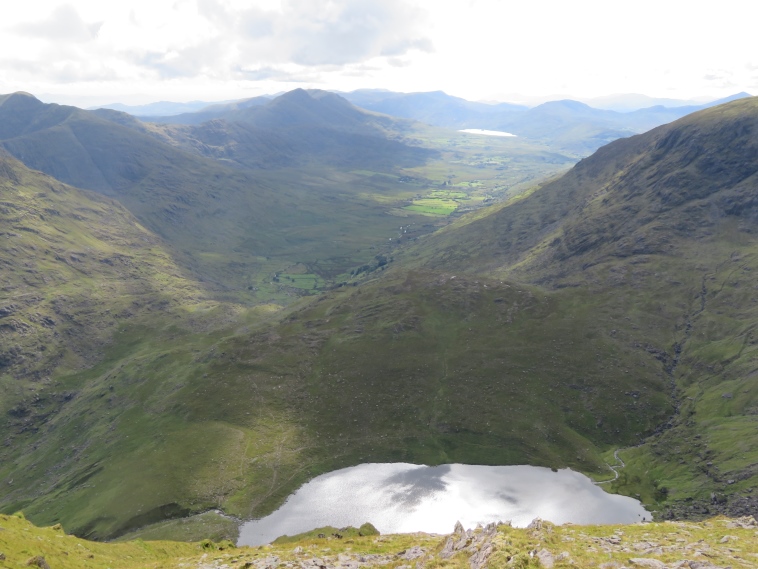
(480, 558)
(646, 562)
(413, 553)
(546, 558)
(38, 561)
(536, 523)
(745, 522)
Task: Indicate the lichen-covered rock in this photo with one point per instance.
(745, 522)
(38, 561)
(546, 558)
(413, 553)
(479, 559)
(647, 563)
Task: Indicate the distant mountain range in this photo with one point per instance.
(621, 102)
(565, 125)
(160, 108)
(627, 102)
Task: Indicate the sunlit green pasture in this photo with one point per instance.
(433, 206)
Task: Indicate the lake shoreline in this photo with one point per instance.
(407, 498)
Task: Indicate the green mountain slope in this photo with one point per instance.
(75, 265)
(84, 286)
(661, 227)
(77, 269)
(611, 308)
(135, 432)
(646, 194)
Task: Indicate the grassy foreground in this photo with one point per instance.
(719, 542)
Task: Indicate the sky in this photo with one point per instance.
(89, 52)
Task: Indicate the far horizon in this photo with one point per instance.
(617, 101)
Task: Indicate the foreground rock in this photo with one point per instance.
(714, 544)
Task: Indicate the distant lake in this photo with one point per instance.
(403, 498)
(486, 132)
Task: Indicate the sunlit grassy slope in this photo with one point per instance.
(718, 542)
(76, 266)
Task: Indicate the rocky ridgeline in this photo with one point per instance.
(730, 543)
(718, 543)
(476, 545)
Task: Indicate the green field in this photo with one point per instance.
(310, 282)
(433, 206)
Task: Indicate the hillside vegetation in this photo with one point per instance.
(661, 227)
(712, 544)
(611, 308)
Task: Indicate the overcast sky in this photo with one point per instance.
(87, 52)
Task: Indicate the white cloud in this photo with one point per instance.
(319, 32)
(472, 48)
(63, 24)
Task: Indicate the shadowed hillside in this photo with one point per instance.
(225, 224)
(295, 129)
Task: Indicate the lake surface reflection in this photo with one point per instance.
(401, 498)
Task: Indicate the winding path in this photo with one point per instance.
(620, 464)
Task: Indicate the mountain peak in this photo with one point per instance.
(564, 104)
(20, 97)
(311, 107)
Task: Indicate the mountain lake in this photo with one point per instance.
(404, 498)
